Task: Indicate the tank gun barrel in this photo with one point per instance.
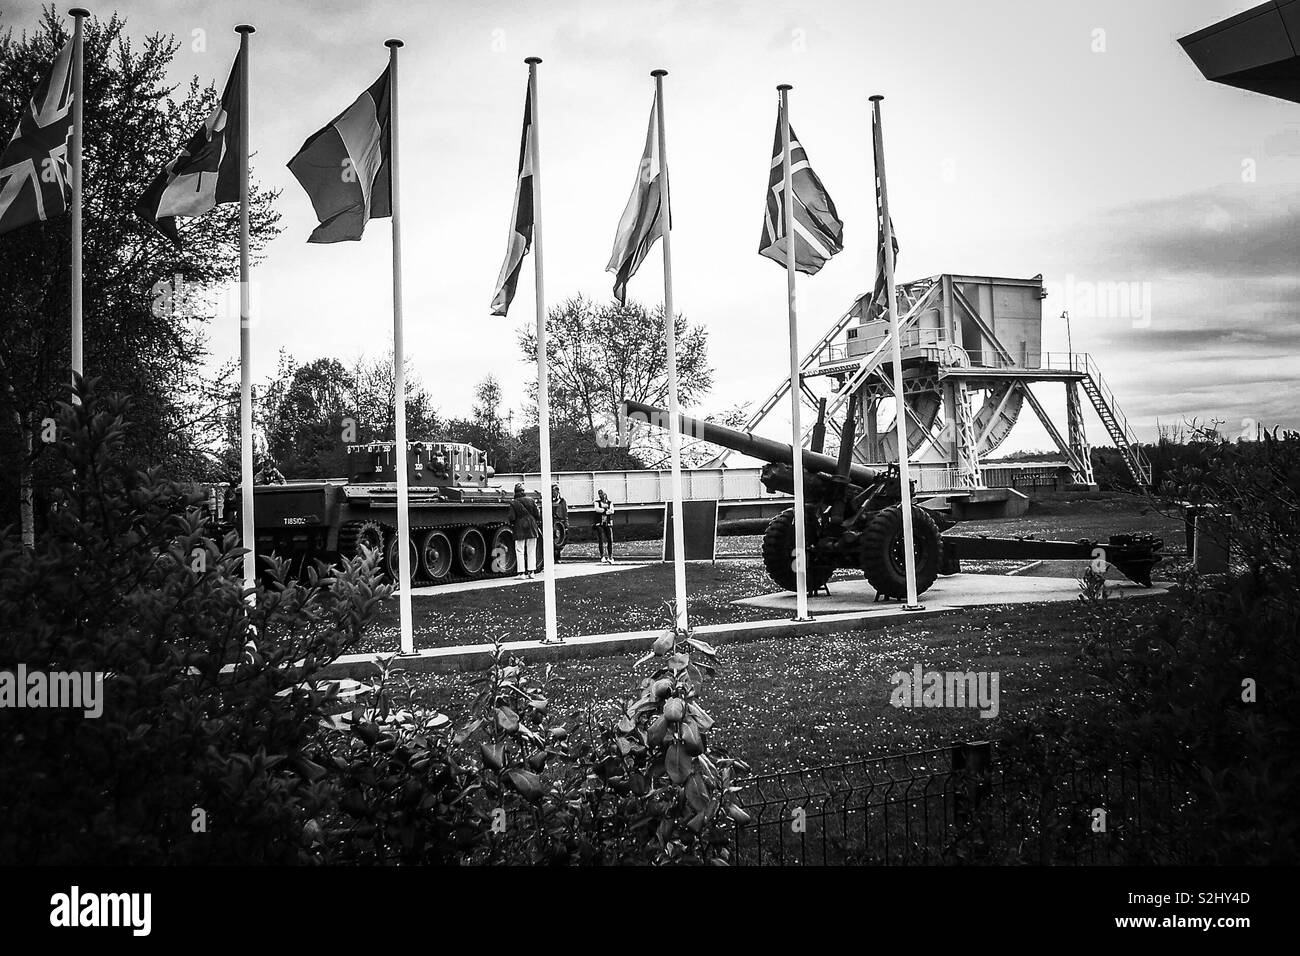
(751, 445)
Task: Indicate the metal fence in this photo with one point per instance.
(643, 487)
(960, 805)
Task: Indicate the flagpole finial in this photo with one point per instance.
(79, 12)
(532, 59)
(875, 98)
(245, 28)
(393, 44)
(658, 72)
(784, 86)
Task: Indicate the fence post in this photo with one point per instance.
(971, 767)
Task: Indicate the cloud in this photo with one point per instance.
(1230, 231)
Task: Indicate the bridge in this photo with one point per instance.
(638, 496)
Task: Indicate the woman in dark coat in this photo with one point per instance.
(525, 521)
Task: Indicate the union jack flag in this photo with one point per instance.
(35, 170)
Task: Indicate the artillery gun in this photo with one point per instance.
(854, 517)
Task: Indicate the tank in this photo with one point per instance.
(854, 518)
(459, 519)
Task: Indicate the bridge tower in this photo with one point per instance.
(972, 346)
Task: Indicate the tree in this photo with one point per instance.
(602, 355)
(305, 416)
(371, 402)
(146, 303)
(486, 429)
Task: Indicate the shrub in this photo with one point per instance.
(203, 750)
(1205, 689)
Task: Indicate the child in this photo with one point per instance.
(604, 527)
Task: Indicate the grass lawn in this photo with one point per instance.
(791, 703)
(628, 600)
(631, 600)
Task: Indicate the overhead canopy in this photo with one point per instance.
(1258, 50)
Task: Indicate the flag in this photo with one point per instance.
(644, 217)
(345, 167)
(35, 170)
(521, 224)
(876, 309)
(819, 234)
(204, 173)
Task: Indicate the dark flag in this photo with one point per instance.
(204, 173)
(644, 217)
(35, 175)
(819, 234)
(876, 308)
(345, 167)
(521, 223)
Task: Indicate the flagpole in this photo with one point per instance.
(796, 392)
(403, 575)
(78, 84)
(543, 362)
(247, 517)
(670, 351)
(900, 403)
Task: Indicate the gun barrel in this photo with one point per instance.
(751, 445)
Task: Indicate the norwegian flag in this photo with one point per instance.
(35, 175)
(818, 231)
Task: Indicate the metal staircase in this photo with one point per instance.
(1103, 401)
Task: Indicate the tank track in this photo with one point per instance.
(452, 577)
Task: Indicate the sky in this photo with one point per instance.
(1073, 140)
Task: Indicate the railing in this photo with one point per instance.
(1130, 437)
(959, 805)
(635, 487)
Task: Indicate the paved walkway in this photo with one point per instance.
(563, 571)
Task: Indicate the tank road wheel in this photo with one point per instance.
(778, 555)
(435, 555)
(882, 551)
(471, 551)
(501, 554)
(369, 534)
(390, 560)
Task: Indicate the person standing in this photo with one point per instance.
(525, 521)
(603, 524)
(560, 517)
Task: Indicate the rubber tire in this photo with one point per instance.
(390, 559)
(882, 551)
(502, 538)
(431, 571)
(471, 539)
(778, 556)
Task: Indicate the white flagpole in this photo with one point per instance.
(796, 392)
(403, 576)
(543, 374)
(78, 85)
(900, 403)
(670, 350)
(248, 524)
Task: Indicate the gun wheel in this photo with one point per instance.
(882, 551)
(778, 556)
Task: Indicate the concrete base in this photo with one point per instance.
(563, 571)
(953, 591)
(472, 657)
